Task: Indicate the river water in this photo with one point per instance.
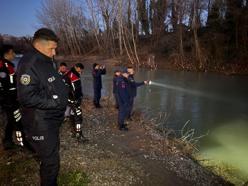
(212, 105)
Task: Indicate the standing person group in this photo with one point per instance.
(72, 79)
(44, 94)
(125, 90)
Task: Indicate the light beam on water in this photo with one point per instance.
(192, 92)
(228, 143)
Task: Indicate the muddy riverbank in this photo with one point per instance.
(141, 156)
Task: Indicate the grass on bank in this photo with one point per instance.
(187, 143)
(21, 171)
(228, 172)
(17, 172)
(73, 178)
(224, 170)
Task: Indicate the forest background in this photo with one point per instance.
(197, 35)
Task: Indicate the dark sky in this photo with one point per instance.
(18, 17)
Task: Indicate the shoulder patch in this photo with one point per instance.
(25, 79)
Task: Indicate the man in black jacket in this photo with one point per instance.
(123, 97)
(133, 85)
(8, 98)
(75, 98)
(97, 73)
(43, 97)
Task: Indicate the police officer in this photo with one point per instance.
(123, 96)
(97, 73)
(8, 96)
(133, 85)
(75, 98)
(63, 71)
(43, 97)
(117, 73)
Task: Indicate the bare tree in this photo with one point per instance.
(143, 16)
(195, 26)
(127, 28)
(68, 21)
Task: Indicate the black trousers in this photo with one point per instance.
(13, 122)
(122, 114)
(130, 107)
(116, 100)
(46, 145)
(97, 96)
(76, 118)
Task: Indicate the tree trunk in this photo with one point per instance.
(196, 41)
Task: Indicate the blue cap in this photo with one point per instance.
(117, 70)
(124, 70)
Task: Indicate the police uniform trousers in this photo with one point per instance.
(76, 117)
(130, 109)
(43, 135)
(97, 96)
(13, 121)
(116, 100)
(122, 114)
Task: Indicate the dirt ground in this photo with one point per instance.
(140, 156)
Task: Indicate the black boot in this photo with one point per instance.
(99, 106)
(81, 138)
(123, 128)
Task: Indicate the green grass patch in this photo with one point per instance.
(17, 173)
(73, 178)
(228, 172)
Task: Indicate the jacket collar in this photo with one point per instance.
(75, 72)
(7, 61)
(46, 58)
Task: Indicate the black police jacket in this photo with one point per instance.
(133, 85)
(115, 78)
(40, 89)
(97, 77)
(123, 93)
(8, 94)
(76, 93)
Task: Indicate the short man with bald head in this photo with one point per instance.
(43, 97)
